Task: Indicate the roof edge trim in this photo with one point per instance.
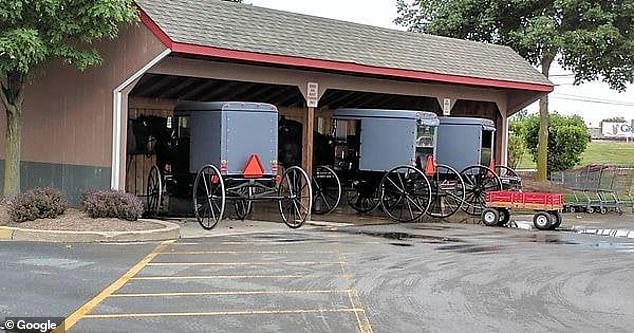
(338, 66)
(155, 29)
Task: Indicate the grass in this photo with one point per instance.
(620, 153)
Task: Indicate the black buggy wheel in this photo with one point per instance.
(405, 194)
(511, 180)
(364, 197)
(478, 180)
(209, 197)
(154, 191)
(447, 192)
(326, 190)
(295, 192)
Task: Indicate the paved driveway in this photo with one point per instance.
(381, 278)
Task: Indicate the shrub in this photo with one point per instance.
(36, 204)
(112, 204)
(568, 138)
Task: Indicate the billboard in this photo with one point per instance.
(621, 129)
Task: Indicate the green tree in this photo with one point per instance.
(568, 139)
(517, 150)
(32, 33)
(517, 142)
(592, 38)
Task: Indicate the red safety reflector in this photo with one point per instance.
(492, 167)
(253, 168)
(430, 166)
(215, 179)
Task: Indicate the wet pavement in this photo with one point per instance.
(380, 278)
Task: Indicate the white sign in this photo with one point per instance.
(312, 94)
(616, 129)
(446, 110)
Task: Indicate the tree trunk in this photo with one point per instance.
(542, 145)
(11, 94)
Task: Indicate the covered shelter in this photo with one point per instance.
(77, 135)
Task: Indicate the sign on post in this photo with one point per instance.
(312, 94)
(446, 109)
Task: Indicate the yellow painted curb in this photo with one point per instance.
(6, 233)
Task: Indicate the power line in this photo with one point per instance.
(590, 99)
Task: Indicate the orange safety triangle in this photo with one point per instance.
(253, 168)
(430, 166)
(492, 167)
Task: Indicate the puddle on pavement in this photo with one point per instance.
(401, 244)
(548, 238)
(470, 248)
(576, 240)
(400, 236)
(286, 238)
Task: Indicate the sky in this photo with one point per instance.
(593, 101)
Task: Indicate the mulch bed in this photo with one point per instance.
(75, 220)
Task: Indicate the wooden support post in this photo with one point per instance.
(307, 145)
(307, 141)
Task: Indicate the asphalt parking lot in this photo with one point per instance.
(377, 278)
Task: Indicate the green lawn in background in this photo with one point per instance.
(608, 152)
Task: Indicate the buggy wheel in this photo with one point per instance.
(209, 197)
(490, 217)
(478, 180)
(505, 216)
(556, 220)
(603, 210)
(326, 190)
(590, 210)
(542, 221)
(447, 192)
(364, 197)
(295, 192)
(511, 181)
(154, 191)
(405, 194)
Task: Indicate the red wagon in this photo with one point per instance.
(548, 207)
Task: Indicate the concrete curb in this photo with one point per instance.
(169, 232)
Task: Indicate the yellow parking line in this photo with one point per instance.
(258, 263)
(355, 302)
(217, 313)
(187, 253)
(237, 293)
(82, 312)
(218, 277)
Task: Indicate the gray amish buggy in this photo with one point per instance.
(229, 156)
(389, 158)
(468, 144)
(386, 158)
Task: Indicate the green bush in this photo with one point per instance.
(112, 204)
(36, 204)
(517, 150)
(568, 138)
